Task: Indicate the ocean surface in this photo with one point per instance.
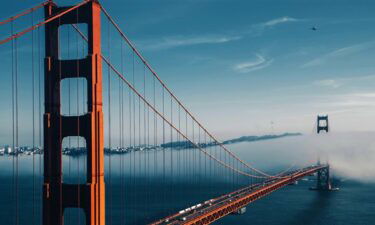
(145, 186)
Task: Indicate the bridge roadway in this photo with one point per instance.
(214, 209)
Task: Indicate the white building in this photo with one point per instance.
(8, 150)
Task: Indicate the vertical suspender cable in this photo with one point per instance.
(33, 113)
(134, 138)
(131, 143)
(122, 145)
(171, 150)
(84, 109)
(17, 132)
(199, 158)
(13, 132)
(40, 116)
(155, 134)
(145, 152)
(120, 142)
(69, 114)
(130, 148)
(187, 171)
(164, 180)
(60, 129)
(193, 155)
(78, 127)
(109, 126)
(134, 143)
(178, 141)
(139, 145)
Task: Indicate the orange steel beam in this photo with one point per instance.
(235, 205)
(241, 200)
(57, 195)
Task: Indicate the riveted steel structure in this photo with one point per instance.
(57, 195)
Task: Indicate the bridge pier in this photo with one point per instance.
(323, 181)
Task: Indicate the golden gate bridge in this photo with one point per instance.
(101, 95)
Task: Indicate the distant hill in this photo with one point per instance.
(187, 144)
(259, 138)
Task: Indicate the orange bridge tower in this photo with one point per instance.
(57, 195)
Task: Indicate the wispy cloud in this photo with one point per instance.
(328, 83)
(259, 28)
(179, 41)
(280, 20)
(353, 102)
(361, 99)
(338, 82)
(258, 63)
(341, 52)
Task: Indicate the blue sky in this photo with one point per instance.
(238, 65)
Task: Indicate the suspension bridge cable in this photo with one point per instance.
(24, 13)
(14, 36)
(132, 46)
(165, 120)
(50, 19)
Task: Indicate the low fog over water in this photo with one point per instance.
(351, 155)
(151, 192)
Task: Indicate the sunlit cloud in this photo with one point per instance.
(258, 63)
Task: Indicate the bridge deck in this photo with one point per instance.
(214, 209)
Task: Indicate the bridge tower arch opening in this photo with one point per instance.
(322, 123)
(57, 195)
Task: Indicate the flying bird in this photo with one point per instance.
(314, 28)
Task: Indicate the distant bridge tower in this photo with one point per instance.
(322, 123)
(323, 180)
(58, 195)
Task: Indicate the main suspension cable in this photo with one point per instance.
(132, 46)
(24, 13)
